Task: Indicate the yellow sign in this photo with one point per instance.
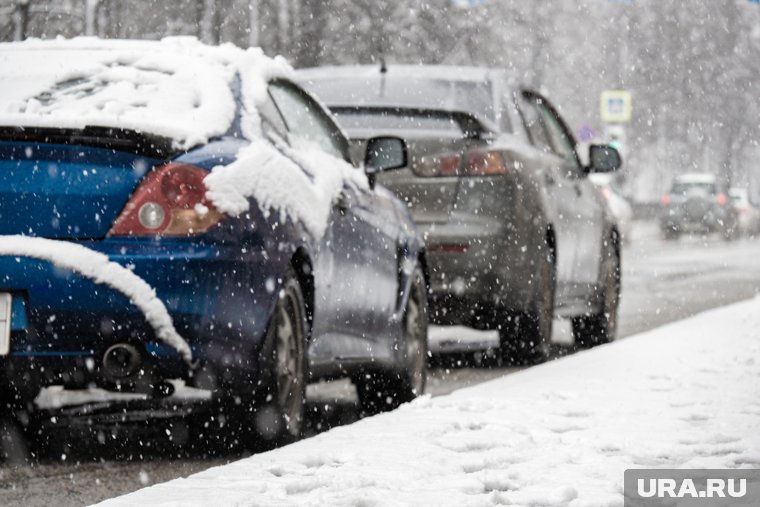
(616, 106)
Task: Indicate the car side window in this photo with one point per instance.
(504, 121)
(561, 144)
(534, 124)
(271, 119)
(305, 120)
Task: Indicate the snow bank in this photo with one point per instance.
(683, 396)
(98, 268)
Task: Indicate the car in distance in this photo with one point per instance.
(697, 202)
(515, 231)
(748, 216)
(170, 210)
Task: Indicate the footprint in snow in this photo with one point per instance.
(565, 428)
(575, 414)
(696, 418)
(319, 461)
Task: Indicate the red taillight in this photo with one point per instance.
(171, 201)
(448, 247)
(665, 200)
(448, 165)
(438, 165)
(606, 193)
(484, 163)
(476, 163)
(722, 199)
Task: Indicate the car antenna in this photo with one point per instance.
(383, 72)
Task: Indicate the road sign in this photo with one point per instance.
(616, 106)
(586, 134)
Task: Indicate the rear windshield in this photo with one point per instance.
(351, 120)
(174, 94)
(693, 188)
(468, 96)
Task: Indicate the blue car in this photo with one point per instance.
(170, 210)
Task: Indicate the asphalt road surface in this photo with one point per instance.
(102, 454)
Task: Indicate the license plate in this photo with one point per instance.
(5, 323)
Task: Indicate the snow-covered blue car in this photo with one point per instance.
(170, 210)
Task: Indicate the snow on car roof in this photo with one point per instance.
(176, 88)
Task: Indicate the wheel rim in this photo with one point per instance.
(290, 369)
(416, 342)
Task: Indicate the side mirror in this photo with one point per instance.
(603, 159)
(384, 154)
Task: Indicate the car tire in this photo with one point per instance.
(730, 232)
(273, 411)
(379, 391)
(670, 233)
(601, 327)
(525, 337)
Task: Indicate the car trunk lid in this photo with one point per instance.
(436, 141)
(70, 184)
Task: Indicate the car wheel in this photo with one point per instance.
(525, 338)
(380, 391)
(730, 232)
(670, 233)
(275, 410)
(601, 327)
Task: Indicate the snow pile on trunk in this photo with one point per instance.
(176, 88)
(97, 267)
(303, 190)
(683, 396)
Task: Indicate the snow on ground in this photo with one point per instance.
(683, 396)
(96, 266)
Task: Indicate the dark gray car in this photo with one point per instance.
(697, 203)
(515, 231)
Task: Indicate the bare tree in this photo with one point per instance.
(21, 16)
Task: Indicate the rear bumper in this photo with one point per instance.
(713, 220)
(63, 323)
(473, 278)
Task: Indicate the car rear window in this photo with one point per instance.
(470, 96)
(351, 120)
(701, 188)
(171, 91)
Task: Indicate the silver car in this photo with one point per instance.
(515, 231)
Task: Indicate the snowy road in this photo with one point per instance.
(662, 282)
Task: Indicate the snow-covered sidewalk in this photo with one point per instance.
(683, 396)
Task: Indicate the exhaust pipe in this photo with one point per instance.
(121, 361)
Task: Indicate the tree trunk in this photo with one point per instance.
(22, 20)
(90, 16)
(254, 20)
